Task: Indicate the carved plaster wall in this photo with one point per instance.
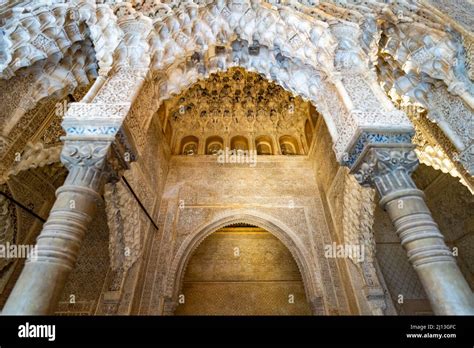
(430, 72)
(84, 286)
(349, 210)
(323, 51)
(34, 141)
(260, 277)
(200, 194)
(8, 233)
(314, 49)
(176, 47)
(130, 229)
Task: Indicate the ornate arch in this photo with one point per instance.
(306, 42)
(51, 50)
(298, 250)
(38, 31)
(323, 63)
(324, 54)
(428, 69)
(48, 50)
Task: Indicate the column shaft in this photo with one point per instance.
(44, 276)
(444, 284)
(389, 171)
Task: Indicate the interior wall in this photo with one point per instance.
(242, 271)
(199, 190)
(84, 285)
(145, 182)
(93, 283)
(450, 203)
(330, 183)
(148, 173)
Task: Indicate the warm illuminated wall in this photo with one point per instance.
(243, 271)
(199, 191)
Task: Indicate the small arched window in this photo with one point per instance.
(214, 144)
(288, 146)
(189, 145)
(264, 145)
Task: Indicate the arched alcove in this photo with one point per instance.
(289, 146)
(214, 144)
(239, 143)
(242, 270)
(189, 145)
(300, 254)
(264, 145)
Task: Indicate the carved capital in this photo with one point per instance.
(86, 162)
(387, 169)
(85, 154)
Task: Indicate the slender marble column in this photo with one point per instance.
(44, 276)
(389, 170)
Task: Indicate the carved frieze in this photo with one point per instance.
(126, 233)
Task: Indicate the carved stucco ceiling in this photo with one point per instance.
(237, 102)
(419, 26)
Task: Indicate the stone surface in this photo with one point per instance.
(361, 76)
(260, 277)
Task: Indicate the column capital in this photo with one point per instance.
(97, 159)
(388, 169)
(86, 162)
(95, 139)
(85, 153)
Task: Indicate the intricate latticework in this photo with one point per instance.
(431, 71)
(200, 33)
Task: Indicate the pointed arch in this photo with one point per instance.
(286, 235)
